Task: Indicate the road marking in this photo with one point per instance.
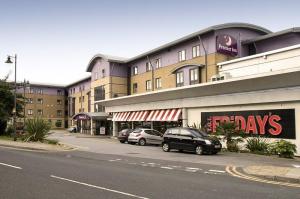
(98, 187)
(9, 165)
(166, 168)
(232, 170)
(114, 160)
(191, 168)
(296, 166)
(217, 171)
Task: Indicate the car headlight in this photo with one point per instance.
(208, 142)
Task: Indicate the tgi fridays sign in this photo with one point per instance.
(278, 123)
(227, 45)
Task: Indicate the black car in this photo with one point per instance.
(189, 139)
(123, 135)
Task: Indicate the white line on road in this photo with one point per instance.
(8, 165)
(191, 168)
(98, 187)
(166, 168)
(218, 171)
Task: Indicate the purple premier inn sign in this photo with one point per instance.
(226, 44)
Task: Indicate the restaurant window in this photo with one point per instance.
(158, 63)
(99, 93)
(135, 70)
(29, 112)
(134, 88)
(158, 83)
(181, 55)
(40, 101)
(148, 66)
(194, 76)
(148, 85)
(196, 51)
(179, 79)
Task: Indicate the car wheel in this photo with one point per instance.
(122, 141)
(166, 147)
(142, 142)
(199, 150)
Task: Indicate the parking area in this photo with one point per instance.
(106, 145)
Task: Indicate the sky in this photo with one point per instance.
(55, 39)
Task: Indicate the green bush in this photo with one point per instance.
(233, 146)
(257, 145)
(9, 130)
(36, 129)
(58, 123)
(284, 149)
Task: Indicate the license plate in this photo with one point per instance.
(217, 146)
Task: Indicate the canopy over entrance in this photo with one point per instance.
(88, 116)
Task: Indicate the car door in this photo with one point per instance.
(171, 136)
(186, 140)
(157, 137)
(149, 136)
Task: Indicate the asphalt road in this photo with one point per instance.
(81, 175)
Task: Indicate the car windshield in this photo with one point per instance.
(137, 131)
(199, 133)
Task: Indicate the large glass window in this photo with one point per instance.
(148, 85)
(179, 79)
(99, 93)
(194, 76)
(196, 51)
(181, 55)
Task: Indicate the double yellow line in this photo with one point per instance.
(232, 171)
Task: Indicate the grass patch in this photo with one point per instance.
(53, 142)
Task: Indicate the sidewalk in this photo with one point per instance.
(34, 146)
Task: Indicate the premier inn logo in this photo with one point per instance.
(226, 44)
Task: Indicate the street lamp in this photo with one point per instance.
(8, 61)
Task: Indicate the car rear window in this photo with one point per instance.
(172, 132)
(137, 131)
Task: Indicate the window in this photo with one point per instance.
(99, 93)
(79, 110)
(40, 101)
(103, 72)
(135, 70)
(79, 99)
(31, 90)
(39, 91)
(82, 99)
(172, 131)
(73, 90)
(59, 92)
(181, 55)
(59, 112)
(194, 76)
(158, 63)
(96, 75)
(29, 112)
(185, 132)
(148, 66)
(134, 88)
(82, 109)
(148, 85)
(179, 79)
(40, 112)
(59, 102)
(99, 108)
(158, 83)
(29, 100)
(196, 51)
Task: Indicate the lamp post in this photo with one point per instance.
(8, 61)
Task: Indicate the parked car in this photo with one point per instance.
(189, 139)
(72, 129)
(123, 135)
(145, 136)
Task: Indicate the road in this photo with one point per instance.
(79, 174)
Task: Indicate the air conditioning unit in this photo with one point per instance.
(219, 77)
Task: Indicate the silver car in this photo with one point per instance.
(145, 136)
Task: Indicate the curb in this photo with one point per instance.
(24, 148)
(273, 178)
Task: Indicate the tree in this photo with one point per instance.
(7, 103)
(231, 134)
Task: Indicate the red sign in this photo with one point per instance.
(278, 123)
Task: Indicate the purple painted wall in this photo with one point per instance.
(278, 42)
(86, 85)
(100, 65)
(46, 90)
(118, 70)
(170, 56)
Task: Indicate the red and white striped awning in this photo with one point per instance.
(121, 116)
(138, 116)
(164, 115)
